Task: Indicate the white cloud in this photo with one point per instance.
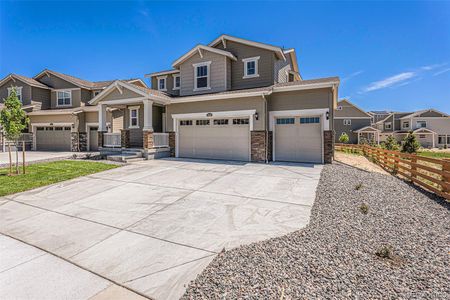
(441, 72)
(432, 67)
(390, 81)
(352, 75)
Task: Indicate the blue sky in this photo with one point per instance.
(389, 55)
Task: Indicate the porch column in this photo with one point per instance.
(432, 137)
(148, 115)
(102, 118)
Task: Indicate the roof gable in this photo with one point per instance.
(350, 110)
(24, 79)
(71, 79)
(224, 37)
(199, 49)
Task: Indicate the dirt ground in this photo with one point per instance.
(358, 161)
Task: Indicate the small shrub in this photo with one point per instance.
(358, 186)
(385, 252)
(364, 208)
(74, 156)
(344, 138)
(88, 155)
(410, 144)
(390, 143)
(445, 146)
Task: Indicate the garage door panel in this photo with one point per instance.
(53, 139)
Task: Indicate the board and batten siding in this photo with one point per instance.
(265, 65)
(217, 75)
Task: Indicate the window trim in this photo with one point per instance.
(386, 125)
(347, 122)
(18, 91)
(57, 98)
(250, 59)
(131, 108)
(175, 88)
(165, 83)
(208, 82)
(421, 121)
(406, 127)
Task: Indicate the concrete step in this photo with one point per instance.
(122, 157)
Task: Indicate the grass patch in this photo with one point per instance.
(41, 174)
(434, 154)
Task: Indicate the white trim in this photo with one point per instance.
(347, 122)
(68, 89)
(17, 88)
(352, 118)
(287, 88)
(278, 50)
(414, 114)
(199, 48)
(63, 91)
(320, 112)
(251, 59)
(219, 96)
(405, 127)
(161, 73)
(386, 127)
(175, 88)
(208, 77)
(125, 101)
(417, 121)
(136, 108)
(165, 83)
(88, 134)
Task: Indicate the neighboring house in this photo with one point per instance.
(352, 120)
(431, 127)
(61, 119)
(232, 99)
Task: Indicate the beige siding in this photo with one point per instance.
(297, 100)
(126, 93)
(439, 125)
(117, 120)
(169, 83)
(86, 95)
(76, 98)
(69, 118)
(265, 65)
(26, 90)
(282, 68)
(216, 106)
(217, 73)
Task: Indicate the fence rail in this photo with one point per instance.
(160, 139)
(429, 173)
(112, 140)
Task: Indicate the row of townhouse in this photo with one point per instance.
(431, 127)
(233, 99)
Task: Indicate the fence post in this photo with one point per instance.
(413, 167)
(445, 178)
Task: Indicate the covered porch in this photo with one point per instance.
(137, 119)
(368, 134)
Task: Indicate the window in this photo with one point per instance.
(221, 122)
(388, 125)
(441, 139)
(421, 124)
(284, 121)
(240, 121)
(291, 77)
(448, 139)
(64, 98)
(162, 83)
(309, 120)
(201, 76)
(176, 82)
(96, 93)
(422, 136)
(18, 90)
(339, 108)
(251, 67)
(405, 124)
(202, 122)
(347, 122)
(186, 123)
(134, 117)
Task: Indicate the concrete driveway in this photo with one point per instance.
(154, 225)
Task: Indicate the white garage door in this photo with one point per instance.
(298, 139)
(53, 138)
(227, 138)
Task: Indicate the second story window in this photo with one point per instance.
(162, 83)
(421, 124)
(405, 125)
(176, 82)
(63, 98)
(18, 90)
(388, 125)
(202, 76)
(251, 67)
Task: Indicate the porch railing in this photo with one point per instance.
(111, 140)
(160, 139)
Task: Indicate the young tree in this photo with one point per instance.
(390, 143)
(13, 120)
(344, 138)
(410, 144)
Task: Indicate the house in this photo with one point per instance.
(352, 120)
(232, 99)
(61, 118)
(431, 127)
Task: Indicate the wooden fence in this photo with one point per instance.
(429, 173)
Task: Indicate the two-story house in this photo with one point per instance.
(61, 118)
(232, 99)
(352, 120)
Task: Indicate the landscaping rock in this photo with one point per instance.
(399, 249)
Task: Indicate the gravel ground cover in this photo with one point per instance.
(371, 236)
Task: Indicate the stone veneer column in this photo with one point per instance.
(125, 138)
(258, 146)
(100, 138)
(148, 139)
(328, 146)
(82, 141)
(74, 145)
(172, 142)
